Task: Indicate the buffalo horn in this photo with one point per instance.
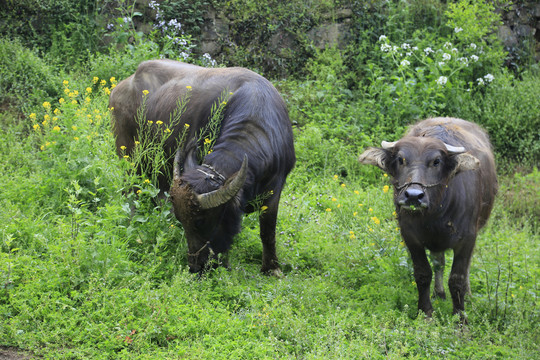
(388, 145)
(225, 193)
(454, 149)
(176, 167)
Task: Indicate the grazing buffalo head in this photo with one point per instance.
(207, 205)
(420, 168)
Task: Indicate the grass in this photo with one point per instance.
(82, 278)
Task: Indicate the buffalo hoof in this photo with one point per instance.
(439, 295)
(274, 272)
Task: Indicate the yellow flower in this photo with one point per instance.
(126, 156)
(36, 127)
(138, 191)
(103, 82)
(394, 213)
(357, 192)
(56, 111)
(122, 148)
(264, 207)
(167, 130)
(186, 126)
(338, 205)
(44, 122)
(188, 87)
(210, 151)
(145, 92)
(42, 147)
(360, 204)
(150, 122)
(354, 213)
(207, 141)
(376, 220)
(74, 102)
(112, 80)
(385, 175)
(343, 185)
(328, 209)
(335, 177)
(32, 116)
(54, 119)
(65, 82)
(56, 128)
(385, 188)
(61, 100)
(95, 79)
(107, 91)
(74, 128)
(334, 199)
(47, 105)
(146, 181)
(224, 103)
(89, 90)
(370, 209)
(159, 122)
(137, 142)
(87, 99)
(66, 91)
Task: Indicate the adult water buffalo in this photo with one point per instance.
(249, 162)
(445, 183)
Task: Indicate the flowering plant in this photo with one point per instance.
(433, 76)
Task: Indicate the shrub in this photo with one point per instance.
(510, 113)
(25, 79)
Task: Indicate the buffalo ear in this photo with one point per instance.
(465, 162)
(374, 156)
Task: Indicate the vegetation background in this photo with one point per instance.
(83, 277)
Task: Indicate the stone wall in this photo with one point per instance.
(519, 33)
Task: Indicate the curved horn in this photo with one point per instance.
(225, 193)
(176, 167)
(388, 145)
(454, 149)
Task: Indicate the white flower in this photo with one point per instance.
(458, 29)
(428, 50)
(446, 57)
(455, 50)
(480, 81)
(464, 61)
(489, 77)
(405, 46)
(474, 58)
(153, 5)
(447, 45)
(442, 80)
(473, 46)
(406, 63)
(386, 48)
(184, 55)
(110, 26)
(382, 38)
(441, 63)
(415, 48)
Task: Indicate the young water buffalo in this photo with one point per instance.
(445, 183)
(247, 166)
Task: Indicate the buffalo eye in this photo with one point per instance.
(436, 162)
(401, 160)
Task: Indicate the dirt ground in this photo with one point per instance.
(13, 354)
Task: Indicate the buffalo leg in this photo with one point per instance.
(437, 259)
(458, 281)
(422, 276)
(267, 221)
